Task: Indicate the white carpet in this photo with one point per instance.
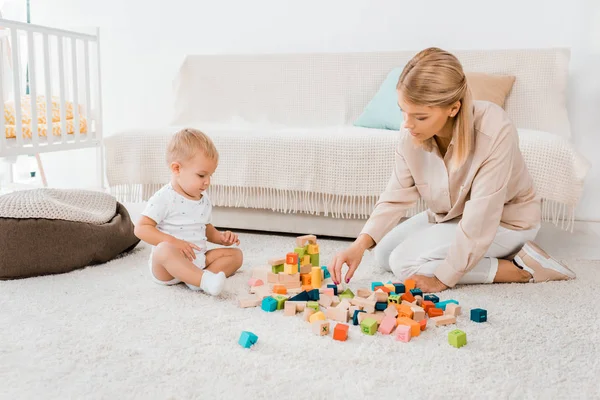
(109, 332)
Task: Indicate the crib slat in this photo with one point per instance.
(35, 137)
(88, 89)
(75, 91)
(61, 89)
(49, 131)
(14, 36)
(2, 100)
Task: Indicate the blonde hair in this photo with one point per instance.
(435, 78)
(187, 142)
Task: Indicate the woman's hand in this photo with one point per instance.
(229, 238)
(186, 248)
(428, 284)
(352, 256)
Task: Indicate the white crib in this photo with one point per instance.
(50, 89)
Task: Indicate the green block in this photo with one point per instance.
(277, 268)
(313, 304)
(280, 301)
(457, 338)
(305, 249)
(346, 294)
(394, 298)
(368, 326)
(314, 260)
(301, 251)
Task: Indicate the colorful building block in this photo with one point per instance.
(320, 328)
(335, 289)
(305, 262)
(346, 294)
(355, 316)
(416, 292)
(405, 311)
(306, 279)
(313, 294)
(409, 284)
(340, 332)
(290, 269)
(478, 315)
(269, 304)
(399, 288)
(408, 297)
(423, 324)
(394, 298)
(432, 298)
(313, 249)
(390, 286)
(318, 316)
(443, 304)
(427, 305)
(247, 339)
(300, 251)
(435, 312)
(315, 260)
(315, 277)
(326, 274)
(313, 304)
(255, 282)
(457, 338)
(368, 326)
(302, 241)
(418, 314)
(403, 333)
(380, 306)
(281, 299)
(375, 284)
(279, 289)
(302, 296)
(289, 309)
(383, 289)
(387, 325)
(415, 327)
(276, 269)
(291, 258)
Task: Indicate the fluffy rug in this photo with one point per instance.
(108, 332)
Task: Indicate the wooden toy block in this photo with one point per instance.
(416, 292)
(403, 333)
(277, 261)
(255, 282)
(384, 289)
(302, 296)
(247, 302)
(315, 260)
(364, 293)
(306, 288)
(418, 314)
(478, 315)
(290, 269)
(306, 268)
(313, 249)
(261, 291)
(381, 296)
(344, 304)
(423, 324)
(372, 297)
(387, 325)
(408, 297)
(409, 284)
(284, 278)
(435, 312)
(318, 316)
(419, 300)
(368, 326)
(335, 289)
(453, 309)
(277, 269)
(247, 339)
(315, 277)
(444, 320)
(457, 338)
(313, 304)
(369, 306)
(432, 297)
(329, 292)
(308, 312)
(300, 305)
(377, 317)
(291, 285)
(355, 315)
(326, 274)
(340, 332)
(335, 301)
(279, 289)
(351, 310)
(325, 300)
(375, 285)
(399, 288)
(300, 251)
(289, 309)
(305, 279)
(337, 314)
(443, 304)
(362, 316)
(313, 294)
(405, 311)
(301, 241)
(391, 311)
(346, 294)
(269, 304)
(394, 298)
(291, 258)
(272, 278)
(391, 287)
(281, 299)
(426, 304)
(381, 306)
(415, 327)
(320, 328)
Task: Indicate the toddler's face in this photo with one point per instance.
(193, 175)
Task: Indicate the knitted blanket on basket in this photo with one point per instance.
(335, 171)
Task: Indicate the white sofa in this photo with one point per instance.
(291, 160)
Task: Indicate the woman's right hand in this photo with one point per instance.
(186, 248)
(351, 256)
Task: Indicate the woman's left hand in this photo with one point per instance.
(229, 238)
(428, 284)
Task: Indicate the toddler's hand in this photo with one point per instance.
(229, 238)
(186, 248)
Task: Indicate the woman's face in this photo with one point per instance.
(424, 122)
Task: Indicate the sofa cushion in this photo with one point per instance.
(489, 87)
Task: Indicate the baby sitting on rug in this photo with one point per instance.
(177, 220)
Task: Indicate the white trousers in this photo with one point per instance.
(416, 246)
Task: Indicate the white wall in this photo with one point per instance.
(144, 41)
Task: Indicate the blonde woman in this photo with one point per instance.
(463, 158)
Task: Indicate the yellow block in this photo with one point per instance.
(318, 316)
(313, 249)
(315, 277)
(290, 269)
(391, 287)
(306, 260)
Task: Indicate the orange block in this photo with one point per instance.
(423, 324)
(385, 289)
(435, 312)
(340, 332)
(408, 297)
(409, 284)
(405, 311)
(307, 288)
(427, 305)
(279, 289)
(291, 258)
(415, 327)
(305, 279)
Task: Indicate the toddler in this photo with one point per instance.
(177, 220)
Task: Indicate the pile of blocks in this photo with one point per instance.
(297, 284)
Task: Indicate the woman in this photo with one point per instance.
(463, 158)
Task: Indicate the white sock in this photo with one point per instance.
(212, 283)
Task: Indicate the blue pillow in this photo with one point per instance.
(383, 112)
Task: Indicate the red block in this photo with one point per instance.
(427, 305)
(435, 312)
(408, 297)
(340, 332)
(383, 288)
(291, 258)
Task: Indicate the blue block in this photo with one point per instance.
(334, 287)
(374, 285)
(478, 315)
(432, 297)
(247, 339)
(313, 295)
(416, 292)
(326, 273)
(381, 306)
(443, 304)
(269, 304)
(400, 288)
(355, 316)
(302, 296)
